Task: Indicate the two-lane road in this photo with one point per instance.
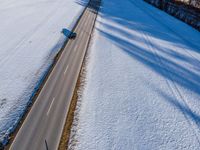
(46, 119)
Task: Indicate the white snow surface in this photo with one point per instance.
(30, 36)
(142, 86)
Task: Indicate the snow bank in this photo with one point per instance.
(142, 84)
(30, 37)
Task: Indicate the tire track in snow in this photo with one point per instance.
(172, 31)
(171, 83)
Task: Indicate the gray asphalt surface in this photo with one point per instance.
(46, 119)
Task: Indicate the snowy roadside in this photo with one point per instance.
(142, 86)
(30, 37)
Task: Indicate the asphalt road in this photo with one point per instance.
(46, 118)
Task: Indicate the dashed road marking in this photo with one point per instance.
(75, 47)
(66, 69)
(50, 106)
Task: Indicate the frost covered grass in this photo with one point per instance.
(30, 37)
(142, 86)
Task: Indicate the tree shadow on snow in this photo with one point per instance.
(160, 58)
(93, 5)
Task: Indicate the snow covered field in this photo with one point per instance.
(30, 36)
(143, 82)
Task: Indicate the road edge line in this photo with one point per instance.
(64, 140)
(39, 87)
